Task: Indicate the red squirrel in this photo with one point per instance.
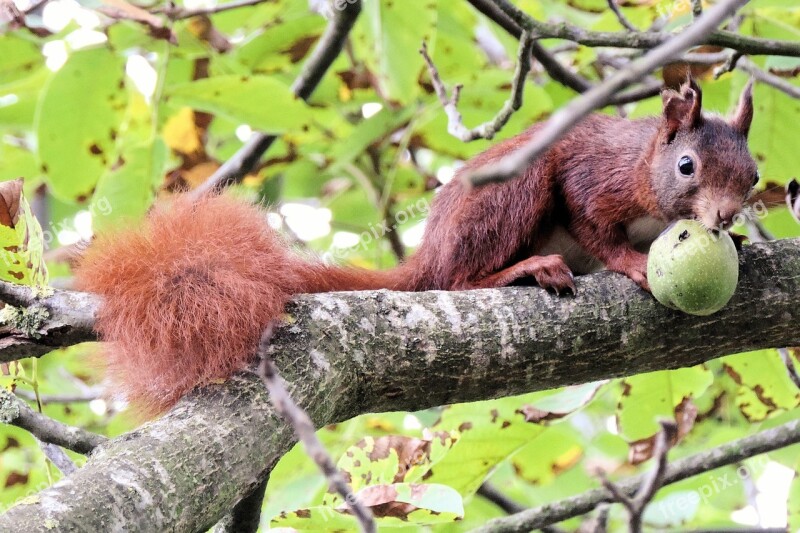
(186, 296)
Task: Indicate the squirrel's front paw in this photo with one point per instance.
(635, 267)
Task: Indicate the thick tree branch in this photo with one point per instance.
(597, 97)
(324, 54)
(385, 351)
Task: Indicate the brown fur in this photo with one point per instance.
(187, 296)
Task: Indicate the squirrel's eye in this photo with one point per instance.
(686, 166)
(756, 178)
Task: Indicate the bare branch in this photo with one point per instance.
(621, 17)
(511, 165)
(92, 394)
(644, 40)
(724, 455)
(496, 496)
(58, 457)
(17, 413)
(305, 430)
(175, 12)
(697, 8)
(728, 65)
(487, 130)
(324, 54)
(554, 68)
(770, 79)
(786, 357)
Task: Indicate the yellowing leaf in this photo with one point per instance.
(180, 132)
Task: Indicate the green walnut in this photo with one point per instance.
(692, 269)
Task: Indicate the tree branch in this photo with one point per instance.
(487, 130)
(219, 443)
(561, 121)
(645, 40)
(304, 429)
(554, 68)
(175, 12)
(324, 54)
(724, 455)
(17, 413)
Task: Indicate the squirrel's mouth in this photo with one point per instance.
(717, 214)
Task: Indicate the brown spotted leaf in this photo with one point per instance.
(391, 459)
(21, 239)
(392, 505)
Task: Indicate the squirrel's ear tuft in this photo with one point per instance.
(743, 116)
(682, 109)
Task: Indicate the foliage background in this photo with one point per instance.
(100, 117)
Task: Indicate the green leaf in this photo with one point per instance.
(19, 56)
(646, 398)
(765, 386)
(390, 37)
(793, 505)
(17, 162)
(548, 455)
(775, 118)
(19, 98)
(126, 190)
(280, 45)
(492, 431)
(393, 505)
(367, 132)
(264, 103)
(78, 120)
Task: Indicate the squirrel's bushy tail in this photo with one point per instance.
(187, 295)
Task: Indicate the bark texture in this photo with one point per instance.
(345, 354)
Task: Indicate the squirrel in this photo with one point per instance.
(187, 295)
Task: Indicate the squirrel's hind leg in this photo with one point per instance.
(549, 271)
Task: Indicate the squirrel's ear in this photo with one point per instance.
(682, 109)
(743, 115)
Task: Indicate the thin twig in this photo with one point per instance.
(494, 495)
(92, 394)
(324, 54)
(697, 8)
(724, 455)
(560, 122)
(17, 413)
(769, 78)
(487, 130)
(175, 12)
(645, 40)
(305, 430)
(58, 457)
(621, 17)
(728, 65)
(554, 68)
(791, 369)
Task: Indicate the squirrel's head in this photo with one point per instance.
(701, 167)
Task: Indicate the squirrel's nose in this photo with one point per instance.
(725, 216)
